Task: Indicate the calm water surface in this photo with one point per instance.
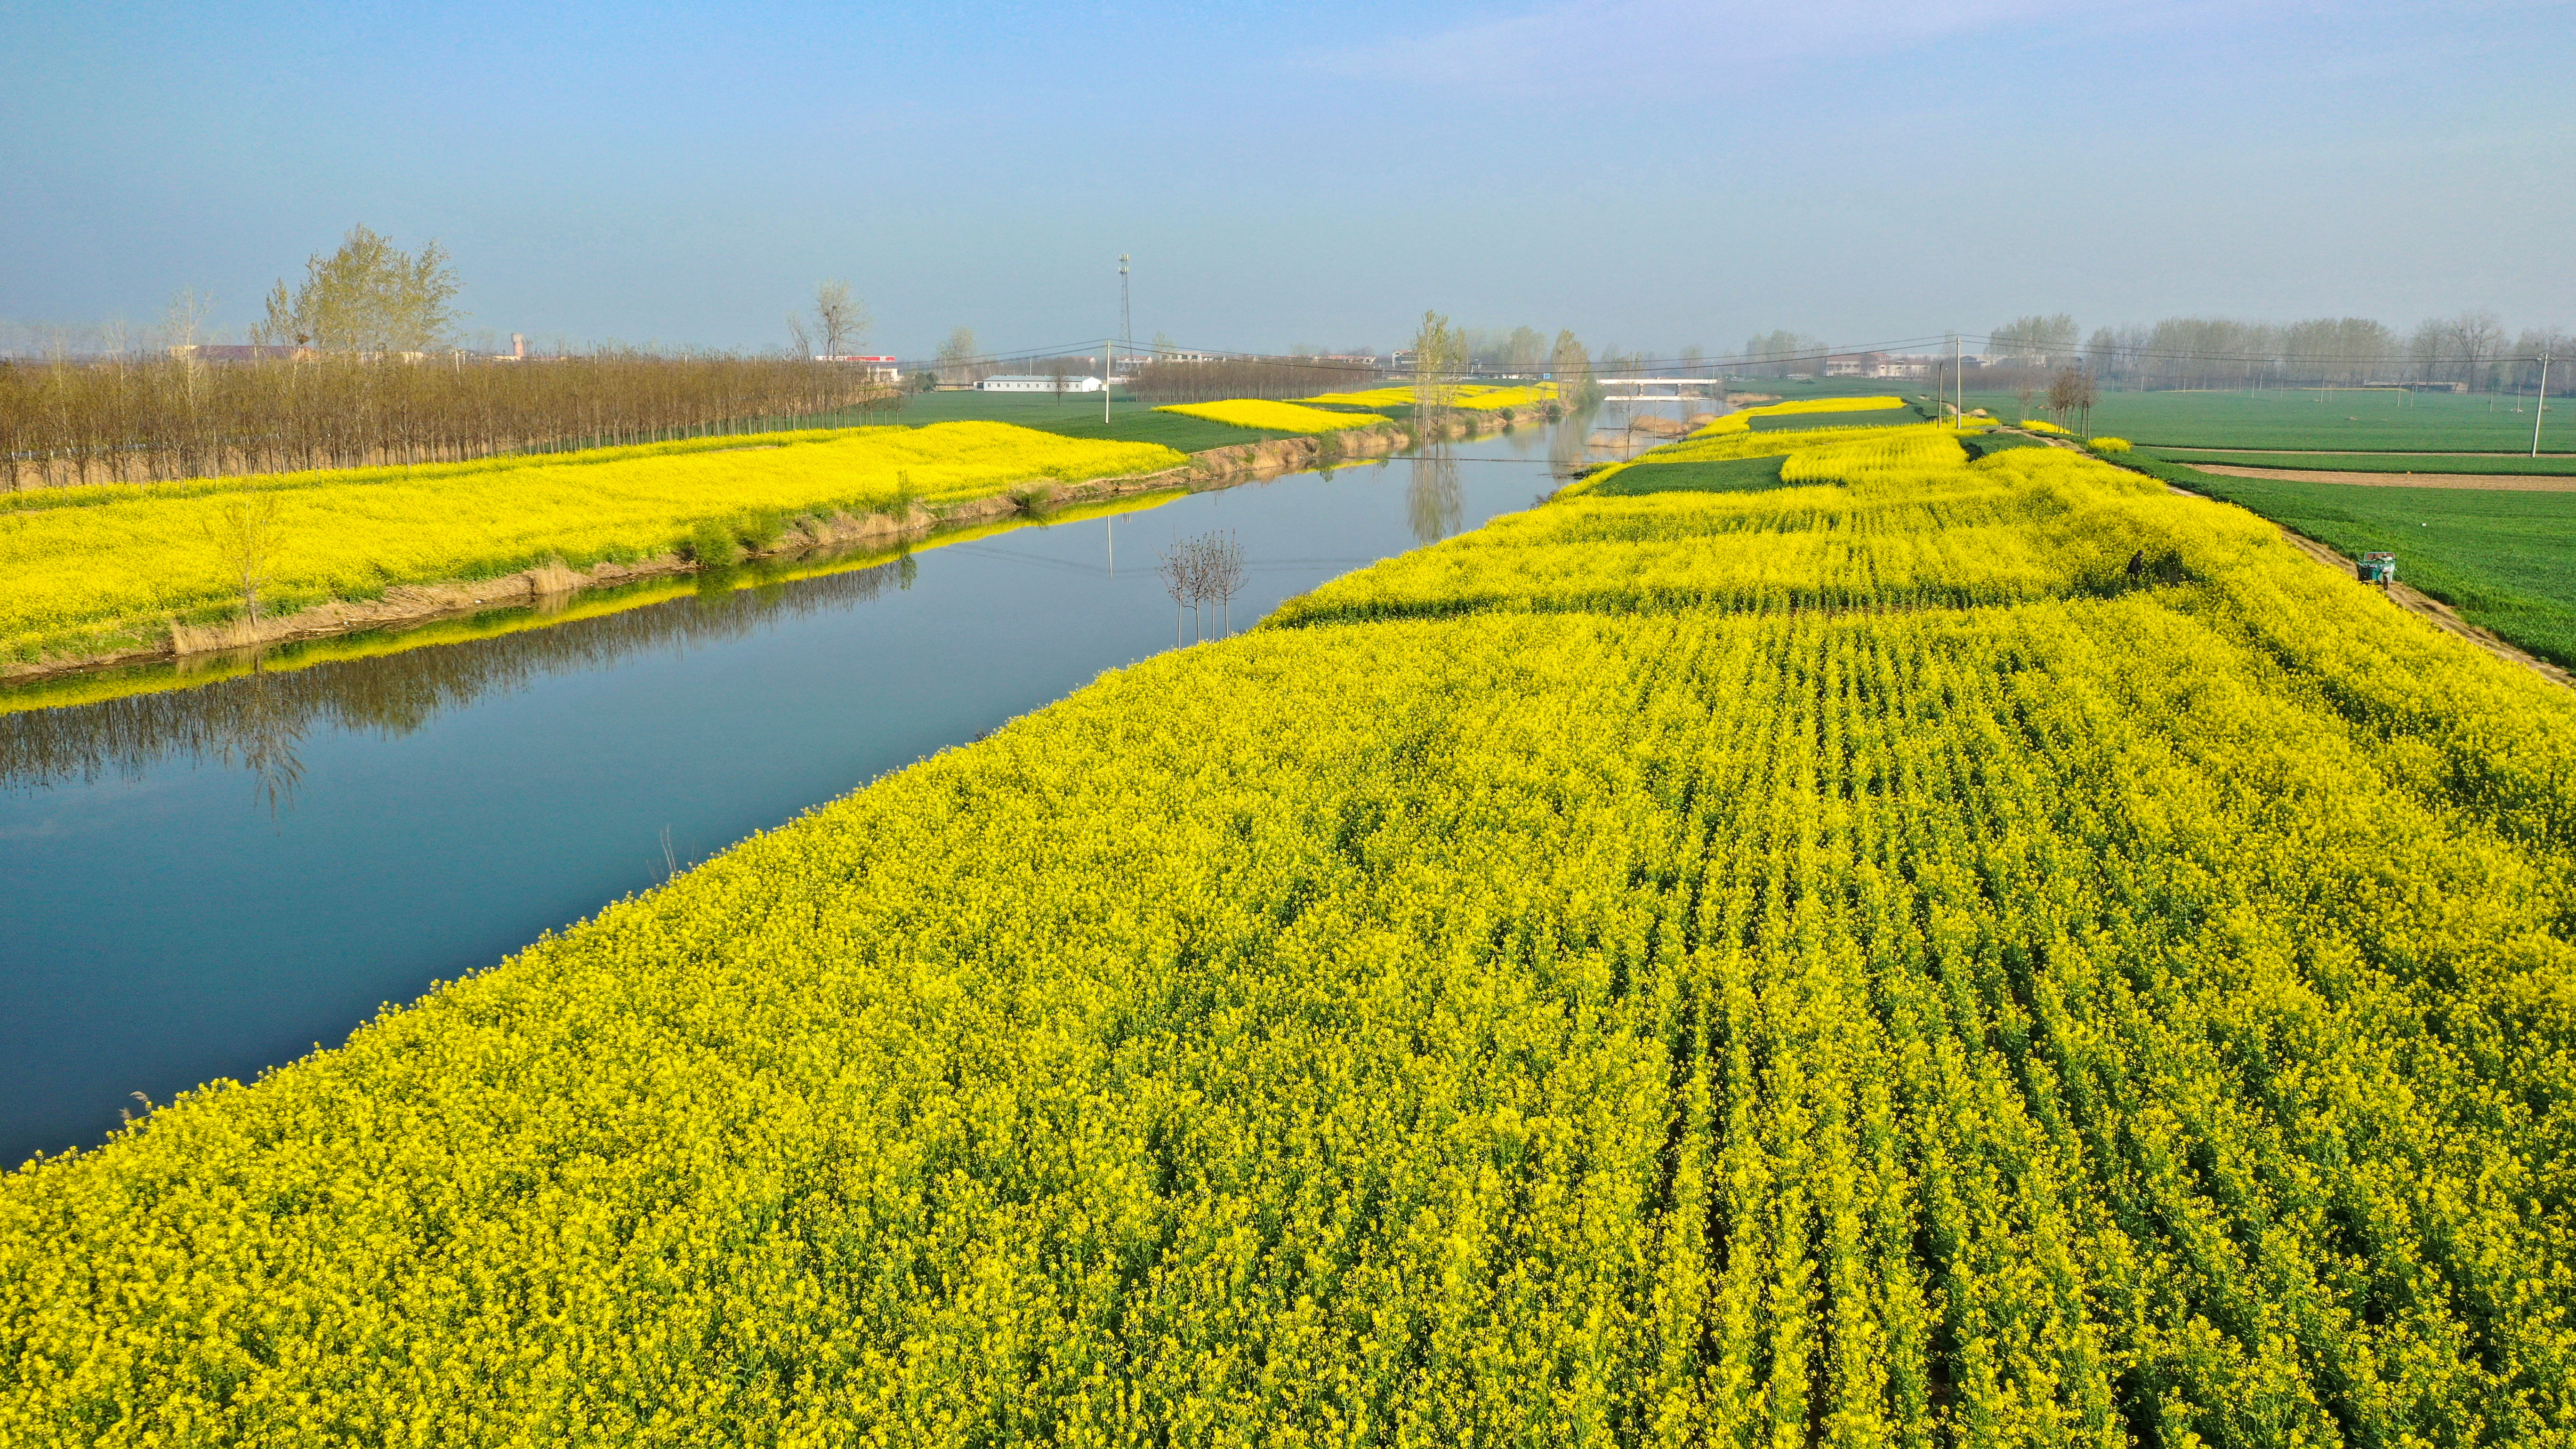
(202, 883)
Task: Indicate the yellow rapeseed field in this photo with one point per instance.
(1277, 417)
(1718, 442)
(1483, 396)
(99, 568)
(1939, 953)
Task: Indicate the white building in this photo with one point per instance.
(879, 369)
(1027, 382)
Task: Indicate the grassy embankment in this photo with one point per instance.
(104, 570)
(1842, 964)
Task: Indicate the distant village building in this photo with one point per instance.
(1876, 364)
(1030, 382)
(880, 369)
(243, 352)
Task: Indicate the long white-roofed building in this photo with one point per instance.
(1036, 382)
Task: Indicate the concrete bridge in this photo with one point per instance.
(1641, 388)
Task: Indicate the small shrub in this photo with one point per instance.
(712, 546)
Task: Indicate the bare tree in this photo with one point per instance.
(840, 317)
(219, 411)
(957, 356)
(2071, 392)
(183, 322)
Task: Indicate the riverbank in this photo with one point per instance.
(1003, 492)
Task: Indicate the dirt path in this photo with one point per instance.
(2414, 601)
(2517, 482)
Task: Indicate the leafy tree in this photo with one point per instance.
(369, 296)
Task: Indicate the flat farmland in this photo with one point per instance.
(2335, 420)
(2545, 466)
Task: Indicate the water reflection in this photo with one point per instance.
(1433, 503)
(256, 720)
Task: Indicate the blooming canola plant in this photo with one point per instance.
(1936, 951)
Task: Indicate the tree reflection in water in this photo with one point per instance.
(258, 721)
(1566, 450)
(1433, 501)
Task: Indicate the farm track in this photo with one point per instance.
(2414, 601)
(2514, 482)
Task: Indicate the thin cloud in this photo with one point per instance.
(1586, 43)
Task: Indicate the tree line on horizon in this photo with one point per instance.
(2470, 348)
(355, 367)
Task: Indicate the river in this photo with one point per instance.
(200, 883)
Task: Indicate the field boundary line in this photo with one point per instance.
(2476, 482)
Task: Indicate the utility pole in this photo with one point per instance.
(1108, 370)
(1958, 384)
(1126, 324)
(2537, 412)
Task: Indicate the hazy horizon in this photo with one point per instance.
(1652, 175)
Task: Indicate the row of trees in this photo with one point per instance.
(1261, 377)
(140, 420)
(2471, 349)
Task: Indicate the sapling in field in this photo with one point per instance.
(244, 531)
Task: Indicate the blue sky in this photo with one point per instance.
(1650, 173)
